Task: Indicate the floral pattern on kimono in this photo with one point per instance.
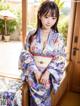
(54, 47)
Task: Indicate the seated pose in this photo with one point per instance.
(43, 58)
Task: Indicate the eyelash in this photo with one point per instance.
(46, 16)
(52, 17)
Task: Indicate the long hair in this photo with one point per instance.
(45, 8)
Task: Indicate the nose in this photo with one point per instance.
(49, 20)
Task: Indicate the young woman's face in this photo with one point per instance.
(48, 21)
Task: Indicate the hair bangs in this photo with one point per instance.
(51, 13)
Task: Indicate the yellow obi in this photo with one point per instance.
(42, 61)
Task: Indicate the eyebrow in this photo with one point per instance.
(49, 15)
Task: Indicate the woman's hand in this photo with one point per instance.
(45, 78)
(37, 75)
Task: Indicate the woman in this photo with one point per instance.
(43, 59)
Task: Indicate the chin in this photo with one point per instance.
(47, 28)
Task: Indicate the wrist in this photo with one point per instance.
(47, 72)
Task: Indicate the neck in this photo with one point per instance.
(46, 31)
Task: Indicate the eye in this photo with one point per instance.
(46, 16)
(53, 18)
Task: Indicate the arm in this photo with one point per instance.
(57, 66)
(26, 60)
(58, 63)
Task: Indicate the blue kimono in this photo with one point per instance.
(54, 48)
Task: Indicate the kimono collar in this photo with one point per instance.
(51, 34)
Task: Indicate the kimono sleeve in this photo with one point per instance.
(58, 64)
(26, 60)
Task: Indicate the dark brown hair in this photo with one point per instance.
(45, 8)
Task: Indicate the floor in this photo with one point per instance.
(9, 56)
(70, 99)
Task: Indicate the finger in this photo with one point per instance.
(42, 81)
(37, 79)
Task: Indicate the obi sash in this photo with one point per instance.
(42, 61)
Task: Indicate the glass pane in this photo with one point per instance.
(10, 27)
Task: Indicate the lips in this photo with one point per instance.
(48, 25)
